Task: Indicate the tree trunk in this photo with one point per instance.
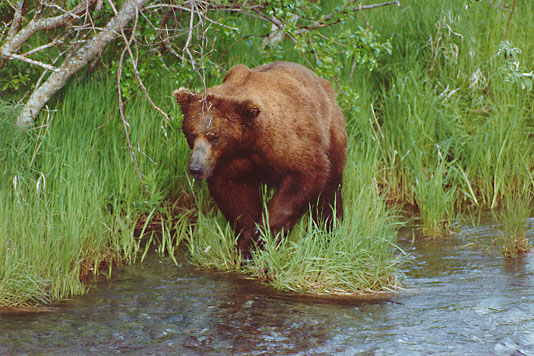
(77, 60)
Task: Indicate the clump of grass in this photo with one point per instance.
(435, 197)
(210, 239)
(513, 239)
(349, 260)
(212, 244)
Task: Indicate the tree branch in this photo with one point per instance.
(31, 61)
(17, 20)
(39, 24)
(15, 27)
(277, 27)
(134, 65)
(42, 94)
(325, 23)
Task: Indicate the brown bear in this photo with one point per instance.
(277, 124)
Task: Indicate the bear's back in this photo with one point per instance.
(279, 78)
(298, 111)
(284, 91)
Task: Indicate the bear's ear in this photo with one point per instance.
(237, 73)
(184, 96)
(248, 110)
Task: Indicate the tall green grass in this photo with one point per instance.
(513, 240)
(455, 111)
(71, 198)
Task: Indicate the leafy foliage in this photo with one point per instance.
(175, 41)
(511, 68)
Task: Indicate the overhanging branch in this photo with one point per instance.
(71, 65)
(18, 36)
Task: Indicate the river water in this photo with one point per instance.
(462, 298)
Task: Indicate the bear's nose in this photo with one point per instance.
(196, 170)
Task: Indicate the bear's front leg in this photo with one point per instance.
(240, 203)
(292, 199)
(329, 204)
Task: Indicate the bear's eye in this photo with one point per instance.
(212, 138)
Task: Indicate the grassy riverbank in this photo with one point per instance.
(443, 125)
(71, 198)
(455, 110)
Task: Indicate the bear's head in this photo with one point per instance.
(218, 129)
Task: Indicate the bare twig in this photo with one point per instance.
(328, 20)
(509, 20)
(190, 36)
(164, 34)
(134, 64)
(39, 24)
(40, 48)
(374, 6)
(187, 47)
(178, 7)
(324, 22)
(125, 123)
(31, 61)
(201, 14)
(57, 7)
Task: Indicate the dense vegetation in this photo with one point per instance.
(443, 125)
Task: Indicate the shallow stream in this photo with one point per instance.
(462, 298)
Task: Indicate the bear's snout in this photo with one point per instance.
(201, 163)
(196, 170)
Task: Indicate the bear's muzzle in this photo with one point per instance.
(201, 163)
(196, 170)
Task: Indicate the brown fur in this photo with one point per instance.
(277, 124)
